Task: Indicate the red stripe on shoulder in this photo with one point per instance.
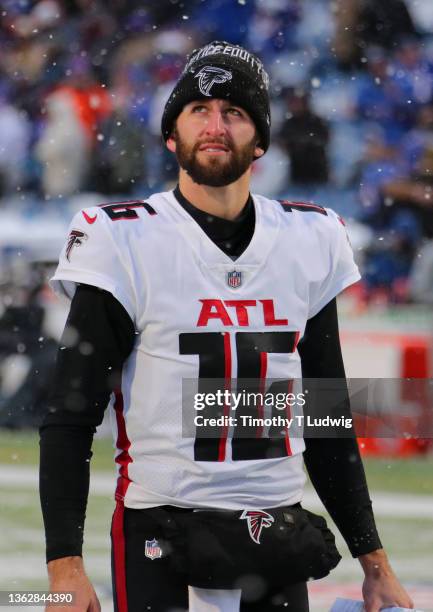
(289, 206)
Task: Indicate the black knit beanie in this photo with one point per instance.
(225, 71)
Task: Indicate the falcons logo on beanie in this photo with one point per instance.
(256, 520)
(209, 75)
(75, 238)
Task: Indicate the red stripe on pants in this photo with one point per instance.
(119, 564)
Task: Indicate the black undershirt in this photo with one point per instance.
(83, 382)
(232, 237)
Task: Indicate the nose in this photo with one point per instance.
(215, 125)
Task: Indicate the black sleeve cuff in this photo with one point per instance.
(64, 484)
(360, 532)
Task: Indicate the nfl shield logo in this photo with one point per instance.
(152, 549)
(234, 279)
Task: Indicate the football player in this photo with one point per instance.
(204, 283)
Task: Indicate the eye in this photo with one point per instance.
(198, 108)
(234, 111)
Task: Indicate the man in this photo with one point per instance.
(205, 282)
(305, 137)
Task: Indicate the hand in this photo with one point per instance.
(68, 574)
(381, 588)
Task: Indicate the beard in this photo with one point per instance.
(215, 172)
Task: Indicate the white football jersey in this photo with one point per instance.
(200, 315)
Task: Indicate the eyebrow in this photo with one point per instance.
(227, 104)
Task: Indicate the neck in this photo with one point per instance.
(226, 202)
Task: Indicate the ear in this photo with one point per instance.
(171, 143)
(258, 152)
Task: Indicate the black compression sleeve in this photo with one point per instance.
(334, 464)
(98, 337)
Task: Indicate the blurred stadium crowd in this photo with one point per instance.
(83, 84)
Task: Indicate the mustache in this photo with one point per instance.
(221, 141)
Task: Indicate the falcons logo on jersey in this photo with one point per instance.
(256, 520)
(209, 75)
(75, 238)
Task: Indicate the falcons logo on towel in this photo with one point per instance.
(75, 238)
(256, 520)
(209, 75)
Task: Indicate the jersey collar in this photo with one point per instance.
(231, 236)
(266, 229)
